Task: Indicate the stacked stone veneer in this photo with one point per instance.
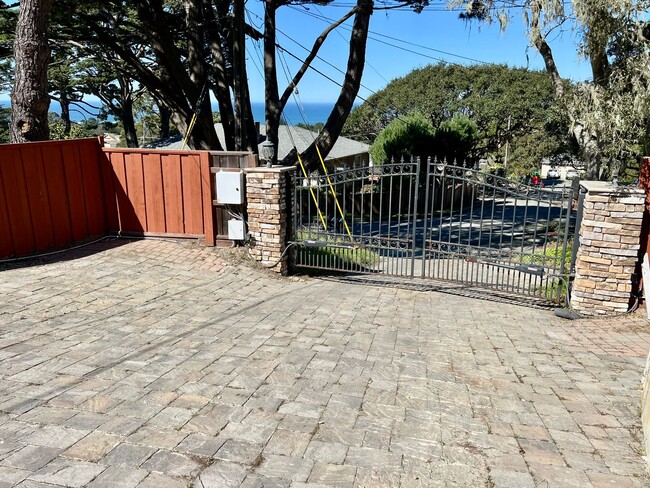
(609, 244)
(266, 203)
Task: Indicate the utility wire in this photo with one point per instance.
(373, 35)
(319, 57)
(428, 8)
(346, 41)
(331, 65)
(316, 70)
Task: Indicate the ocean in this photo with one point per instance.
(311, 113)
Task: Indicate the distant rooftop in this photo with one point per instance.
(288, 135)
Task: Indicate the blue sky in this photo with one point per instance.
(435, 28)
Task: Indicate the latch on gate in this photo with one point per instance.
(314, 243)
(522, 268)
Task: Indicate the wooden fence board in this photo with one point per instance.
(192, 202)
(206, 193)
(57, 191)
(154, 196)
(32, 167)
(7, 246)
(136, 190)
(44, 194)
(20, 218)
(110, 193)
(93, 192)
(173, 190)
(74, 177)
(126, 213)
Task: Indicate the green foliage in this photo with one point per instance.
(609, 115)
(338, 253)
(8, 18)
(5, 114)
(551, 258)
(88, 128)
(414, 136)
(492, 97)
(406, 137)
(455, 139)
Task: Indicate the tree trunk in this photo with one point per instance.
(245, 138)
(588, 142)
(165, 117)
(64, 102)
(272, 105)
(221, 84)
(126, 115)
(30, 101)
(178, 88)
(356, 60)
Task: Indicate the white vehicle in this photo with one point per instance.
(553, 174)
(572, 173)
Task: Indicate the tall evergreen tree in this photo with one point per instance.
(30, 100)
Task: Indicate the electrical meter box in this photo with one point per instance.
(230, 187)
(236, 230)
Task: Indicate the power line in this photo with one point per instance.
(316, 70)
(372, 33)
(346, 41)
(331, 65)
(317, 56)
(429, 8)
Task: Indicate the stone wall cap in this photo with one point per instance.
(274, 169)
(605, 187)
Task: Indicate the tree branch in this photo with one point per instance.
(312, 54)
(76, 104)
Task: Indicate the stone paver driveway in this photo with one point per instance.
(151, 364)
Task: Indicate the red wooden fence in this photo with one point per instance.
(51, 195)
(159, 192)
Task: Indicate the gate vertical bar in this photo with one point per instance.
(576, 239)
(415, 214)
(567, 225)
(296, 209)
(425, 224)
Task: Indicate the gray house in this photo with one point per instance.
(345, 153)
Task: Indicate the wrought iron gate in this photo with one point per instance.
(438, 221)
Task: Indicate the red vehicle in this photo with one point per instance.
(535, 180)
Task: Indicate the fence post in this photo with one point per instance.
(607, 255)
(267, 205)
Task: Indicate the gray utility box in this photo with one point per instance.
(230, 187)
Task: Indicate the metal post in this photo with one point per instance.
(425, 224)
(576, 239)
(415, 214)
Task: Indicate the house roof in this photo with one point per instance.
(288, 135)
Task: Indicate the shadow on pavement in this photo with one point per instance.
(458, 289)
(80, 250)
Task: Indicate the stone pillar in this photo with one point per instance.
(609, 244)
(266, 202)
